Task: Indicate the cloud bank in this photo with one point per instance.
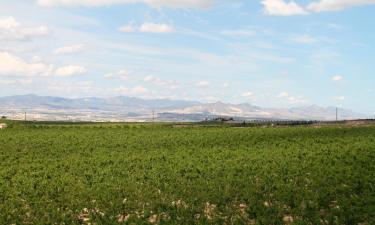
(291, 8)
(194, 4)
(12, 30)
(147, 28)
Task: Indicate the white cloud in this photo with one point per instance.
(70, 70)
(69, 49)
(337, 78)
(147, 28)
(128, 28)
(291, 99)
(282, 8)
(226, 85)
(339, 98)
(149, 79)
(170, 84)
(156, 28)
(120, 75)
(11, 65)
(296, 100)
(247, 94)
(336, 5)
(238, 33)
(12, 30)
(8, 23)
(290, 7)
(283, 95)
(202, 84)
(196, 4)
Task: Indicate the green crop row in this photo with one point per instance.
(166, 174)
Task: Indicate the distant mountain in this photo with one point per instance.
(110, 104)
(247, 110)
(224, 109)
(123, 108)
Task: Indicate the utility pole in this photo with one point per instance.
(25, 116)
(153, 116)
(337, 114)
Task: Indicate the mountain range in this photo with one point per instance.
(136, 109)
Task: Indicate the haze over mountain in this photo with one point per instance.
(136, 109)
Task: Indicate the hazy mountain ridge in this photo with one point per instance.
(312, 112)
(122, 107)
(113, 103)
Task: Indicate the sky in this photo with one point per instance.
(271, 53)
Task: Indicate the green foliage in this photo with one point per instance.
(167, 174)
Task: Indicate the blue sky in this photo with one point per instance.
(272, 53)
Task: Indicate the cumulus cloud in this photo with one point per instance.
(156, 28)
(282, 8)
(70, 70)
(130, 28)
(171, 84)
(119, 75)
(12, 30)
(283, 95)
(149, 79)
(290, 7)
(296, 100)
(339, 98)
(337, 78)
(247, 94)
(291, 99)
(195, 4)
(202, 84)
(238, 33)
(11, 65)
(336, 5)
(69, 49)
(148, 28)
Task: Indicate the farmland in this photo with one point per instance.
(167, 174)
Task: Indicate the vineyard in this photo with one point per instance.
(167, 174)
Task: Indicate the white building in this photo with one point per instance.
(3, 126)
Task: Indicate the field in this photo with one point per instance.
(166, 174)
